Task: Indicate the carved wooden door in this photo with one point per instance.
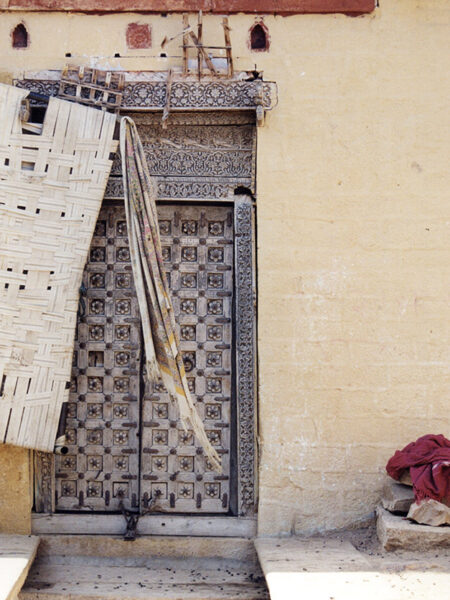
(198, 249)
(125, 440)
(103, 415)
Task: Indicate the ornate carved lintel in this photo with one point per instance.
(184, 95)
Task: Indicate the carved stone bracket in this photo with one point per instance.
(256, 95)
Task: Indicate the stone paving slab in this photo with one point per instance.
(332, 569)
(17, 553)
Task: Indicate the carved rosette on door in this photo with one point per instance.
(110, 408)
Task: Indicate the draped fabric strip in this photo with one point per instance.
(51, 189)
(162, 348)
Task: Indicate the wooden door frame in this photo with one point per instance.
(242, 522)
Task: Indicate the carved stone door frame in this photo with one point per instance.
(243, 503)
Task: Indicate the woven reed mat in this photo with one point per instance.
(51, 189)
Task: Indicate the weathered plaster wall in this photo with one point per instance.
(353, 250)
(354, 258)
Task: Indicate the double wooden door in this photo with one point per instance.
(126, 442)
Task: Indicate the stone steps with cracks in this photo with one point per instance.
(134, 575)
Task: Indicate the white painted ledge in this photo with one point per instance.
(17, 553)
(43, 524)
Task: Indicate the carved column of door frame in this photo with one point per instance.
(245, 354)
(244, 502)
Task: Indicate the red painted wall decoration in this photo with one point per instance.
(138, 36)
(283, 7)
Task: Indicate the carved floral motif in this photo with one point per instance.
(216, 228)
(187, 332)
(215, 280)
(94, 411)
(97, 280)
(122, 358)
(98, 254)
(189, 227)
(121, 384)
(96, 332)
(122, 332)
(160, 411)
(213, 385)
(214, 332)
(215, 255)
(165, 227)
(120, 437)
(95, 384)
(123, 254)
(214, 307)
(97, 307)
(189, 280)
(189, 254)
(123, 307)
(188, 306)
(123, 280)
(214, 359)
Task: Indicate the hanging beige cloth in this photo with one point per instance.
(51, 190)
(162, 348)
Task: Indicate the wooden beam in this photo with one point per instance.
(200, 41)
(281, 7)
(226, 32)
(208, 61)
(185, 42)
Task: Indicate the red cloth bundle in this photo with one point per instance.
(428, 461)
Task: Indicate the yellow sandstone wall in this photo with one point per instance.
(15, 490)
(353, 241)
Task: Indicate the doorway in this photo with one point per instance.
(126, 444)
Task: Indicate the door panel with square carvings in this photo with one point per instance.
(197, 246)
(126, 443)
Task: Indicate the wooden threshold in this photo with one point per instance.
(81, 524)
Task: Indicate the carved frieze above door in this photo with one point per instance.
(199, 156)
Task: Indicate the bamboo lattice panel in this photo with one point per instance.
(51, 189)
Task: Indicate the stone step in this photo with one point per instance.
(146, 547)
(94, 578)
(398, 533)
